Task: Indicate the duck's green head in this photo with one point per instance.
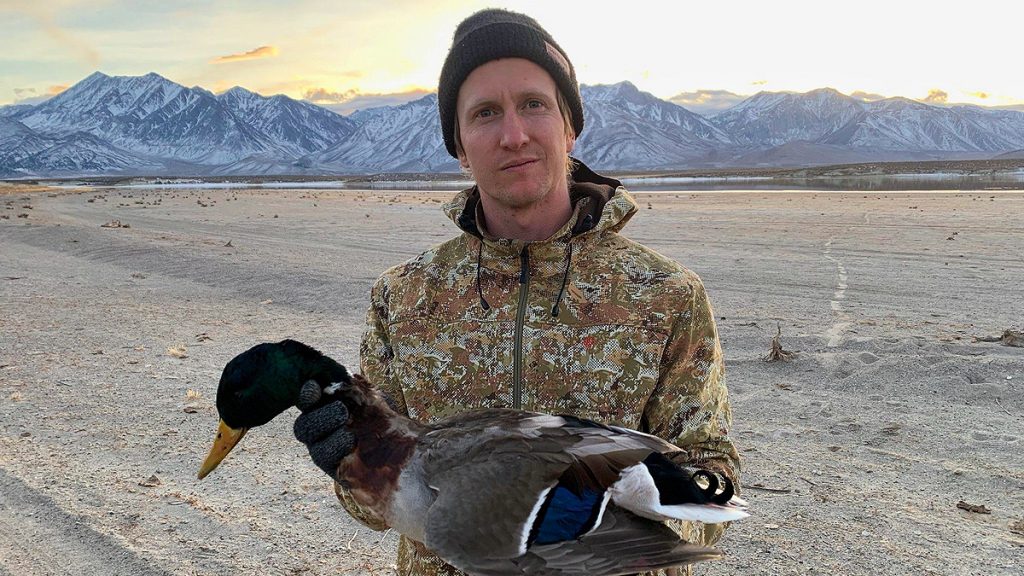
(261, 383)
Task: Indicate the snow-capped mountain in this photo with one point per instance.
(625, 128)
(84, 153)
(832, 127)
(902, 124)
(25, 152)
(148, 115)
(297, 127)
(152, 117)
(403, 138)
(18, 142)
(13, 109)
(150, 125)
(774, 118)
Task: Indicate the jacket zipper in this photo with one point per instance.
(517, 359)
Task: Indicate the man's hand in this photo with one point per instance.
(323, 430)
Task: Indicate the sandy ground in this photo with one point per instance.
(856, 452)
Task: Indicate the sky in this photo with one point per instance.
(345, 53)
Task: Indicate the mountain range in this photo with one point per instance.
(148, 125)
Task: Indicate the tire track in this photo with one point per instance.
(38, 538)
(257, 278)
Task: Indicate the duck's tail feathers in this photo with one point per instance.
(659, 489)
(624, 543)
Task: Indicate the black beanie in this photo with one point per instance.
(492, 34)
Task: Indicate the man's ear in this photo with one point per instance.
(570, 142)
(463, 160)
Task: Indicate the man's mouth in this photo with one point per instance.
(518, 163)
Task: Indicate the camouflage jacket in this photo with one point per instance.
(632, 342)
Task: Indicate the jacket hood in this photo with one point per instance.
(600, 204)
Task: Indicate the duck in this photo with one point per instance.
(491, 491)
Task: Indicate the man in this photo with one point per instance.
(539, 304)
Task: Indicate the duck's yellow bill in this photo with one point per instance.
(226, 439)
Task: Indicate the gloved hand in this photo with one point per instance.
(323, 430)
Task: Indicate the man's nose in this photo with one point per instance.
(513, 131)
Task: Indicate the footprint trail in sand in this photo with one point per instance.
(834, 334)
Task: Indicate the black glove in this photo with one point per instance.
(323, 430)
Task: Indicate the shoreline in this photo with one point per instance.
(1002, 173)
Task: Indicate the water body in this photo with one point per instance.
(872, 183)
(939, 181)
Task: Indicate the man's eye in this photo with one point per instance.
(534, 104)
(485, 113)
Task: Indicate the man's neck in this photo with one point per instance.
(531, 223)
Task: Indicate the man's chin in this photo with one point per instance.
(521, 192)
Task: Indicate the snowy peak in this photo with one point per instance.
(295, 127)
(775, 118)
(626, 96)
(897, 127)
(626, 128)
(116, 95)
(152, 116)
(401, 138)
(903, 124)
(381, 119)
(240, 99)
(897, 103)
(624, 91)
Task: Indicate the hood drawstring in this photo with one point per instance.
(565, 279)
(586, 224)
(582, 226)
(479, 289)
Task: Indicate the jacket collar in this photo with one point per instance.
(600, 204)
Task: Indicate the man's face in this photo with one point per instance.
(513, 136)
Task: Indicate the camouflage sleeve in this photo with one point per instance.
(375, 352)
(690, 404)
(375, 356)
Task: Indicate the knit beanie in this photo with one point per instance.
(492, 34)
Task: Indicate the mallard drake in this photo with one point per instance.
(493, 491)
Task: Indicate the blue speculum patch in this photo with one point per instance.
(566, 515)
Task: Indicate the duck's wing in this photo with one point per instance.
(490, 471)
(623, 544)
(493, 471)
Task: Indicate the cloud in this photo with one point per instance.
(866, 96)
(29, 98)
(981, 95)
(349, 101)
(707, 101)
(33, 96)
(254, 54)
(758, 82)
(325, 96)
(936, 96)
